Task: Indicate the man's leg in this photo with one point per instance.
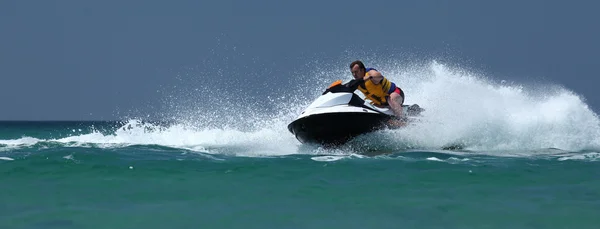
(396, 102)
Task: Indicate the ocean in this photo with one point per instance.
(485, 155)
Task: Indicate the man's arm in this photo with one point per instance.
(375, 76)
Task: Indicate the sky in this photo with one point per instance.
(99, 60)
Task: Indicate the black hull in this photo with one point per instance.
(335, 128)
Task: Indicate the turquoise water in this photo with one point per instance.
(92, 175)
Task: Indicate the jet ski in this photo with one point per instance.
(339, 115)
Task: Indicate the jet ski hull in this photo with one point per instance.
(335, 128)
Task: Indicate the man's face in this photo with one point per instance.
(357, 72)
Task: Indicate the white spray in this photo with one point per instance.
(462, 108)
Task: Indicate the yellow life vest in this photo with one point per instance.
(377, 93)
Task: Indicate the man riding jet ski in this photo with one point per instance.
(339, 115)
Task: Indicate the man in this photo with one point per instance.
(377, 88)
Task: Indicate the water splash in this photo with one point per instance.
(463, 108)
(471, 110)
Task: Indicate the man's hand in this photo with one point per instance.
(353, 84)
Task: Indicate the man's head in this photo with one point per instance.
(358, 69)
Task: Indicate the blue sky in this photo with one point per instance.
(70, 60)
